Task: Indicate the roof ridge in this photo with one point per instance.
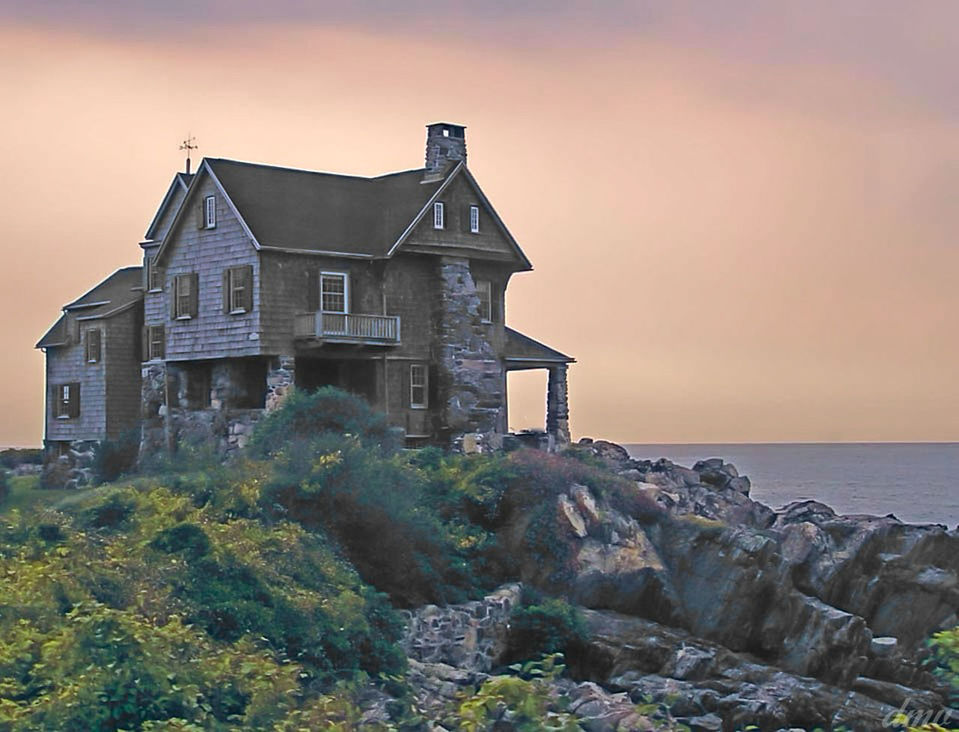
(250, 164)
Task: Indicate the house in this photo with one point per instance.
(257, 279)
(93, 355)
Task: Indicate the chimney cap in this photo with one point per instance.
(451, 128)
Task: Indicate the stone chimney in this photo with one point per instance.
(445, 145)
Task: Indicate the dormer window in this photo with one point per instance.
(474, 219)
(439, 215)
(93, 346)
(209, 212)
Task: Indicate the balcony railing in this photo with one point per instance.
(348, 328)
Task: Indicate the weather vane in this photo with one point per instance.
(189, 144)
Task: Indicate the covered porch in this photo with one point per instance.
(522, 353)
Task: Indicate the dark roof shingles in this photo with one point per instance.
(522, 347)
(308, 211)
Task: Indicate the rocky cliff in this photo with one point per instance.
(721, 609)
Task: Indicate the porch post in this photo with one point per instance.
(280, 377)
(557, 406)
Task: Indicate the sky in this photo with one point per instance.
(741, 215)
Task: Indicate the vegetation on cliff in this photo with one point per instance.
(257, 594)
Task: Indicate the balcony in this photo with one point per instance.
(369, 330)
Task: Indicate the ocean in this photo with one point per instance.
(917, 482)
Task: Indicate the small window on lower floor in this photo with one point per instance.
(419, 386)
(484, 290)
(154, 342)
(66, 401)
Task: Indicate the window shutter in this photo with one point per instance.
(312, 290)
(432, 385)
(145, 343)
(173, 298)
(194, 294)
(87, 343)
(226, 291)
(201, 214)
(247, 274)
(75, 400)
(54, 401)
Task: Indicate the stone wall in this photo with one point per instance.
(470, 375)
(470, 636)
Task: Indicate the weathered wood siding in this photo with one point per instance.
(168, 214)
(208, 252)
(121, 354)
(67, 364)
(455, 238)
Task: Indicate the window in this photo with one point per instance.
(209, 212)
(184, 297)
(93, 345)
(66, 401)
(154, 342)
(334, 292)
(474, 219)
(418, 386)
(439, 215)
(154, 276)
(238, 290)
(484, 291)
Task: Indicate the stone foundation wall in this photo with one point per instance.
(470, 636)
(470, 375)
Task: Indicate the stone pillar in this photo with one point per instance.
(154, 432)
(557, 406)
(280, 379)
(470, 374)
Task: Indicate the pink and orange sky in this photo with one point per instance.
(742, 215)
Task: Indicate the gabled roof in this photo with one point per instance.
(314, 212)
(115, 294)
(180, 182)
(522, 349)
(56, 336)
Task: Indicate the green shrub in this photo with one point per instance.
(305, 416)
(377, 508)
(4, 486)
(110, 512)
(542, 626)
(113, 458)
(187, 538)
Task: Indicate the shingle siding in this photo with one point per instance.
(65, 365)
(207, 252)
(122, 359)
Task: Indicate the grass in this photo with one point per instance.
(27, 496)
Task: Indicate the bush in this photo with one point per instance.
(543, 626)
(4, 486)
(113, 458)
(379, 511)
(306, 416)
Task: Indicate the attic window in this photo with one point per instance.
(439, 215)
(209, 212)
(474, 219)
(446, 133)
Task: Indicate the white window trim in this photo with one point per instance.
(346, 291)
(439, 215)
(486, 317)
(474, 219)
(152, 271)
(209, 212)
(425, 386)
